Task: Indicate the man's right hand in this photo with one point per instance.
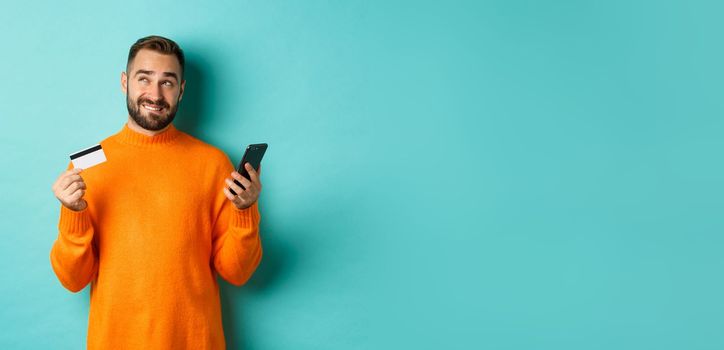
(70, 189)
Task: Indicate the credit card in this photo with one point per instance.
(88, 157)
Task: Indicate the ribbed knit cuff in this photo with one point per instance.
(74, 223)
(248, 217)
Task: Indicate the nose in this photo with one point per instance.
(154, 93)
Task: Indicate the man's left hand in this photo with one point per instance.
(244, 197)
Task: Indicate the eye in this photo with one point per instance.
(145, 80)
(168, 83)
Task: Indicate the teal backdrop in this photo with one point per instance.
(441, 175)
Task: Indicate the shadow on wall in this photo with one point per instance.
(287, 253)
(192, 106)
(194, 114)
(276, 260)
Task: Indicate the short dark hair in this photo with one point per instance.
(160, 45)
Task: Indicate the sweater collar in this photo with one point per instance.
(131, 137)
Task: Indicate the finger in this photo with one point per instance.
(229, 195)
(252, 173)
(70, 183)
(233, 186)
(71, 189)
(76, 195)
(255, 177)
(253, 191)
(236, 200)
(247, 194)
(250, 195)
(243, 180)
(60, 184)
(71, 171)
(68, 180)
(244, 200)
(74, 192)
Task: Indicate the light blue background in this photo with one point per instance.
(465, 175)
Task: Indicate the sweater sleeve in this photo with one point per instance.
(73, 255)
(236, 247)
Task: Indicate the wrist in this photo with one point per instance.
(246, 217)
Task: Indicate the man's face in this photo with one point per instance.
(153, 89)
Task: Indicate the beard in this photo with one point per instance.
(151, 120)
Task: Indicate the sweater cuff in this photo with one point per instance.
(74, 223)
(246, 218)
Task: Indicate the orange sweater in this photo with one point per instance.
(156, 231)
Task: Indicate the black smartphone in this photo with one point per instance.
(253, 154)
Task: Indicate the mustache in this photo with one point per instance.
(160, 102)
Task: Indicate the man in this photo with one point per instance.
(152, 226)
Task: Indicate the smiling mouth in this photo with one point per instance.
(152, 107)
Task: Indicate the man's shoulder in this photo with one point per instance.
(207, 151)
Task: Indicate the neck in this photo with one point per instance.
(137, 128)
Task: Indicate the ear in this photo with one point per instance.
(183, 88)
(124, 81)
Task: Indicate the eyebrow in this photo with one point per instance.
(150, 72)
